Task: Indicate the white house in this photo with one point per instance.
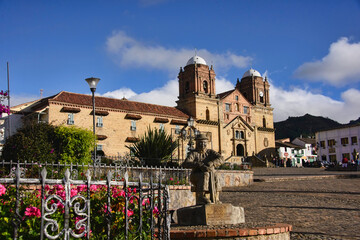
(309, 147)
(288, 151)
(338, 143)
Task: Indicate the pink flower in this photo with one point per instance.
(81, 188)
(130, 213)
(52, 150)
(106, 209)
(73, 192)
(59, 187)
(171, 179)
(94, 188)
(156, 211)
(33, 211)
(116, 192)
(2, 189)
(145, 201)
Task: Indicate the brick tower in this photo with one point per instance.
(197, 90)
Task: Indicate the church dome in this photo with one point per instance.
(251, 72)
(197, 60)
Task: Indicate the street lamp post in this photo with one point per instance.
(184, 134)
(92, 84)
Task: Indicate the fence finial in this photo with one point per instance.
(126, 176)
(67, 175)
(43, 173)
(109, 176)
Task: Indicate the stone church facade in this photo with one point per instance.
(238, 123)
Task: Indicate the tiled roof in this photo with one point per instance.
(126, 105)
(308, 140)
(224, 94)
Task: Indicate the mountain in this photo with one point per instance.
(306, 126)
(354, 121)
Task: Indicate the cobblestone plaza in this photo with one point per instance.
(323, 205)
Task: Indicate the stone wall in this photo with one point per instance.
(181, 196)
(276, 232)
(235, 178)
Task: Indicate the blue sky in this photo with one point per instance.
(310, 50)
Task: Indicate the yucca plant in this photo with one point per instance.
(154, 147)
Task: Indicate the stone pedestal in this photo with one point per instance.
(211, 214)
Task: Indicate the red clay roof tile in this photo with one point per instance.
(126, 105)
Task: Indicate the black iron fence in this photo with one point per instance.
(113, 208)
(170, 175)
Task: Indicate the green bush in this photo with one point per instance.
(33, 142)
(74, 144)
(43, 142)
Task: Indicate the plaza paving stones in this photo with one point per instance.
(317, 208)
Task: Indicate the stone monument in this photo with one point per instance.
(208, 209)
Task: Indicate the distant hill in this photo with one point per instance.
(354, 121)
(306, 126)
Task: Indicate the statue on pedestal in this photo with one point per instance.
(203, 162)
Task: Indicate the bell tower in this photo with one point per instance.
(254, 88)
(197, 95)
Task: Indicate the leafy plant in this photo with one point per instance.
(43, 142)
(74, 144)
(33, 142)
(30, 212)
(154, 147)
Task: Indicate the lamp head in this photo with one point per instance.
(190, 122)
(92, 83)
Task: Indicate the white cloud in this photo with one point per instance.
(120, 93)
(297, 102)
(338, 68)
(128, 52)
(166, 95)
(223, 85)
(293, 102)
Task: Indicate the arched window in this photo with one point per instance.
(205, 86)
(237, 107)
(237, 134)
(264, 121)
(187, 87)
(240, 150)
(207, 114)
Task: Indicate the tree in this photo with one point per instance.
(74, 144)
(154, 147)
(33, 142)
(43, 142)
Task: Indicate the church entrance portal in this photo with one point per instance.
(240, 150)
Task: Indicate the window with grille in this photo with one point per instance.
(354, 140)
(344, 141)
(227, 107)
(70, 120)
(133, 125)
(99, 122)
(331, 142)
(246, 109)
(177, 129)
